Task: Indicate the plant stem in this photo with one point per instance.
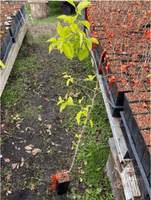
(82, 132)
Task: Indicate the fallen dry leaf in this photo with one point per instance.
(40, 133)
(32, 186)
(22, 162)
(18, 166)
(7, 159)
(24, 175)
(14, 165)
(5, 132)
(35, 151)
(74, 95)
(39, 118)
(28, 151)
(31, 145)
(8, 177)
(49, 126)
(18, 126)
(46, 99)
(28, 148)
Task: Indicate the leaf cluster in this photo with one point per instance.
(72, 40)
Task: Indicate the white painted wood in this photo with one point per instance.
(130, 184)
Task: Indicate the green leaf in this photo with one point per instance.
(81, 100)
(78, 116)
(71, 2)
(148, 75)
(70, 101)
(50, 48)
(85, 113)
(62, 106)
(86, 24)
(98, 190)
(88, 191)
(74, 144)
(60, 29)
(61, 101)
(52, 45)
(2, 65)
(81, 38)
(66, 96)
(82, 54)
(82, 5)
(70, 45)
(90, 78)
(91, 122)
(66, 76)
(84, 121)
(67, 32)
(94, 40)
(67, 51)
(143, 11)
(68, 81)
(98, 168)
(89, 43)
(76, 135)
(53, 39)
(68, 18)
(74, 27)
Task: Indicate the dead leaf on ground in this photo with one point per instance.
(5, 132)
(46, 99)
(40, 118)
(15, 165)
(31, 145)
(35, 151)
(18, 126)
(24, 175)
(74, 95)
(32, 186)
(22, 162)
(7, 159)
(49, 126)
(8, 177)
(28, 151)
(28, 147)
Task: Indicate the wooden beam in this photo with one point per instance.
(4, 73)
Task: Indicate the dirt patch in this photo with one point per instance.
(42, 28)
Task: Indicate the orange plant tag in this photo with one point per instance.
(144, 105)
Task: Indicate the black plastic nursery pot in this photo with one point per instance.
(62, 184)
(62, 188)
(21, 14)
(6, 47)
(143, 180)
(15, 28)
(137, 137)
